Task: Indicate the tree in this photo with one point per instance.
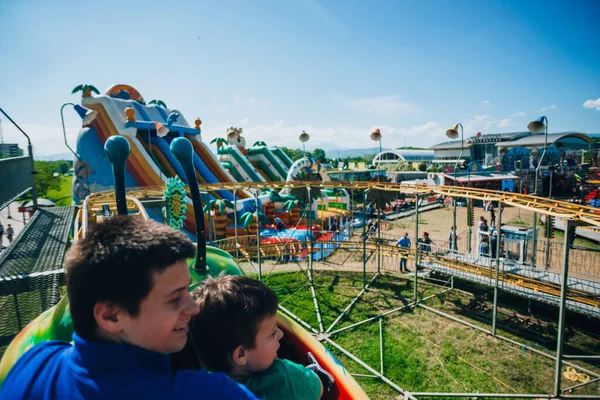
(44, 177)
(319, 155)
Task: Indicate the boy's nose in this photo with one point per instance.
(191, 306)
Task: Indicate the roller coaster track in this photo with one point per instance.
(538, 286)
(583, 215)
(576, 212)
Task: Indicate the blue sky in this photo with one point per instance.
(337, 69)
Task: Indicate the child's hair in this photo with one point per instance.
(115, 263)
(231, 309)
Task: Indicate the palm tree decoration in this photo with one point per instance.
(158, 103)
(86, 89)
(291, 204)
(250, 217)
(219, 141)
(176, 200)
(259, 143)
(218, 204)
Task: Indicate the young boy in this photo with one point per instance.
(236, 332)
(127, 283)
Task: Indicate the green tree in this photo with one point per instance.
(45, 178)
(319, 155)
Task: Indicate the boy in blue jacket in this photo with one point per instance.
(128, 292)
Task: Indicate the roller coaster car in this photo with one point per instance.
(56, 324)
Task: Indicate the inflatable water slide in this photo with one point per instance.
(253, 164)
(149, 129)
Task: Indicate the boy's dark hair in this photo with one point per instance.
(231, 308)
(115, 263)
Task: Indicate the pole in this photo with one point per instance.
(562, 309)
(470, 232)
(364, 239)
(379, 231)
(417, 246)
(498, 241)
(258, 238)
(534, 248)
(31, 163)
(310, 244)
(235, 220)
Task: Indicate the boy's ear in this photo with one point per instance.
(239, 356)
(107, 316)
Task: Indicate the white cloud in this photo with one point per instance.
(503, 123)
(479, 123)
(552, 107)
(237, 99)
(486, 103)
(592, 104)
(244, 121)
(218, 110)
(281, 134)
(384, 105)
(519, 114)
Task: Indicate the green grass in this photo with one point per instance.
(62, 196)
(425, 352)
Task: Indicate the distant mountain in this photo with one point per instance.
(343, 153)
(57, 157)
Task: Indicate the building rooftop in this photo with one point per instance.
(537, 140)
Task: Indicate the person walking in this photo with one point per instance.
(404, 243)
(492, 215)
(9, 233)
(1, 233)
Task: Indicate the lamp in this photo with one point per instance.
(376, 136)
(452, 133)
(161, 130)
(537, 126)
(304, 138)
(86, 114)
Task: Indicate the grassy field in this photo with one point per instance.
(62, 196)
(425, 352)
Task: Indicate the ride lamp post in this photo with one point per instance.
(537, 126)
(304, 138)
(452, 133)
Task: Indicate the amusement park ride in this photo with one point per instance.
(148, 147)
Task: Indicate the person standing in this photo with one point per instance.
(452, 239)
(9, 233)
(1, 233)
(492, 215)
(404, 243)
(425, 243)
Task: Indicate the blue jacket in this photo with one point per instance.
(97, 370)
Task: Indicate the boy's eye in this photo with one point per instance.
(175, 301)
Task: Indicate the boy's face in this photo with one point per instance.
(162, 323)
(266, 345)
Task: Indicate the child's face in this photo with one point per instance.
(265, 347)
(163, 320)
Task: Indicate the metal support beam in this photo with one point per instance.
(498, 240)
(416, 246)
(563, 307)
